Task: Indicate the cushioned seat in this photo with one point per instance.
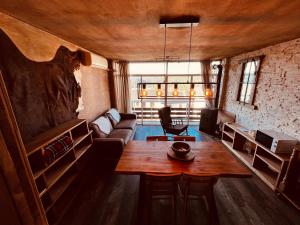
(125, 134)
(126, 124)
(176, 129)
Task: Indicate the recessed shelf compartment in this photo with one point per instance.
(79, 132)
(46, 200)
(40, 184)
(61, 186)
(37, 163)
(265, 172)
(54, 173)
(83, 146)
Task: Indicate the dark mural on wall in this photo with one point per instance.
(43, 94)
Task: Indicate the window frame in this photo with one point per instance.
(241, 81)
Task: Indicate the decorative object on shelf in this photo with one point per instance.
(248, 147)
(56, 149)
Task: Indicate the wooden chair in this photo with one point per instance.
(199, 187)
(157, 138)
(161, 186)
(184, 138)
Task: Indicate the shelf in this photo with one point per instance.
(243, 156)
(227, 143)
(229, 134)
(67, 202)
(80, 138)
(43, 192)
(282, 157)
(40, 172)
(54, 177)
(267, 177)
(81, 151)
(56, 192)
(51, 135)
(294, 202)
(57, 183)
(273, 165)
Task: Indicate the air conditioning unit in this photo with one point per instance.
(93, 60)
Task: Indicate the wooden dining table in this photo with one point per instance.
(211, 158)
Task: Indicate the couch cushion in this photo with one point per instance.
(114, 116)
(126, 124)
(125, 134)
(97, 132)
(103, 124)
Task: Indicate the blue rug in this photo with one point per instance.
(152, 130)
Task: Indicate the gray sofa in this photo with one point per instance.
(112, 131)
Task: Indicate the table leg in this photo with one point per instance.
(141, 202)
(213, 212)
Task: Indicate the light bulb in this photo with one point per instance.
(159, 92)
(192, 92)
(175, 92)
(144, 91)
(208, 92)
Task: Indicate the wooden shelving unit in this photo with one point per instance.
(268, 166)
(57, 182)
(290, 185)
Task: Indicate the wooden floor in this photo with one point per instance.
(111, 199)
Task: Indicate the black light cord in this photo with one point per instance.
(190, 49)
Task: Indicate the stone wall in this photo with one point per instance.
(278, 90)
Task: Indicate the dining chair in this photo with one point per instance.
(200, 187)
(162, 186)
(157, 138)
(184, 138)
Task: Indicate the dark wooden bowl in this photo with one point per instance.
(181, 148)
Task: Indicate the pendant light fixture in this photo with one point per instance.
(192, 90)
(158, 91)
(175, 91)
(208, 92)
(144, 91)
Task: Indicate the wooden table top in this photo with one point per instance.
(211, 158)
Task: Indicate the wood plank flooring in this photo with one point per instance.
(111, 199)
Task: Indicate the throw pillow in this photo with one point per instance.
(114, 116)
(104, 124)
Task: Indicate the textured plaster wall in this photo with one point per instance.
(278, 90)
(38, 45)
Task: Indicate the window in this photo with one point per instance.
(248, 82)
(183, 107)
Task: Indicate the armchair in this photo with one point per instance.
(171, 126)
